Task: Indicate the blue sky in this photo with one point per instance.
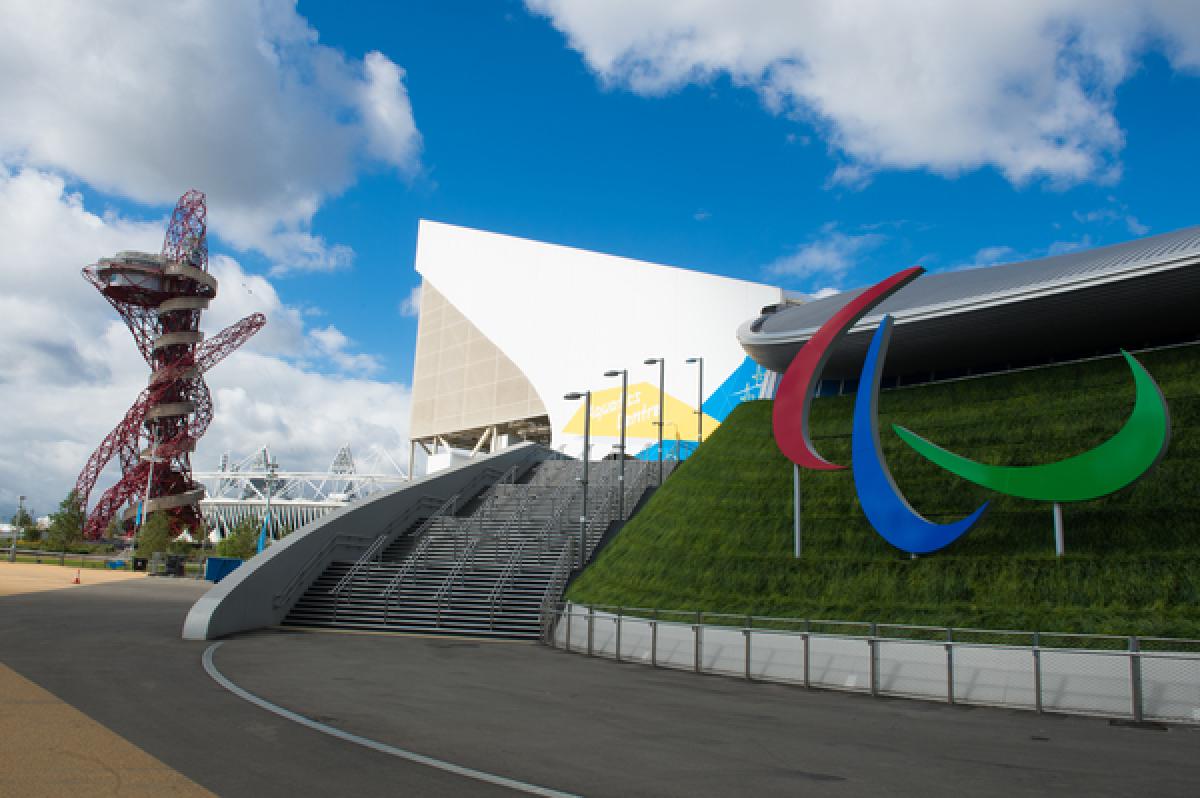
(770, 141)
(521, 137)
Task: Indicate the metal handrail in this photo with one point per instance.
(446, 509)
(360, 563)
(497, 594)
(448, 583)
(285, 595)
(553, 524)
(382, 540)
(554, 587)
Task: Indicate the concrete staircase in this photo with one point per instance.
(491, 568)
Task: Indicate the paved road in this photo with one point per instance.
(559, 720)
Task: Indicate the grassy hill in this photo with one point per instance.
(718, 536)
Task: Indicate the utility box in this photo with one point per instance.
(217, 568)
(175, 565)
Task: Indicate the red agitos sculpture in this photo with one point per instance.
(161, 298)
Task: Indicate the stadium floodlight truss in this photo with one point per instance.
(238, 491)
(161, 297)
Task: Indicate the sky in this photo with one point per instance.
(814, 145)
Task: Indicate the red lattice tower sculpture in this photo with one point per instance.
(161, 297)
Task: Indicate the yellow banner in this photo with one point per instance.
(642, 412)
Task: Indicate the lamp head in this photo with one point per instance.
(614, 373)
(573, 395)
(653, 361)
(695, 360)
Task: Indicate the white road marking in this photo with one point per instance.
(383, 748)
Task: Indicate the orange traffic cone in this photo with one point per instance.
(76, 580)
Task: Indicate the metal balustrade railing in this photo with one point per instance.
(1135, 678)
(496, 597)
(455, 576)
(320, 557)
(550, 610)
(347, 583)
(553, 528)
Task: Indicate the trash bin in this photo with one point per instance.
(217, 568)
(175, 565)
(139, 563)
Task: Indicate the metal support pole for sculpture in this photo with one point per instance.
(1059, 542)
(796, 509)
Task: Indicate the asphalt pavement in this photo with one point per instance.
(536, 715)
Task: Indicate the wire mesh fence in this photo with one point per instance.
(1140, 679)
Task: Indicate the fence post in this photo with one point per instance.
(618, 634)
(1135, 678)
(949, 672)
(591, 628)
(746, 632)
(873, 664)
(698, 653)
(654, 643)
(1037, 671)
(804, 638)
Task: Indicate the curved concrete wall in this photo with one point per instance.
(261, 591)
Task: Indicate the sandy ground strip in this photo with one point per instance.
(17, 578)
(53, 749)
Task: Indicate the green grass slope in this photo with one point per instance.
(718, 536)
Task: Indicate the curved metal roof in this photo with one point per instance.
(1110, 272)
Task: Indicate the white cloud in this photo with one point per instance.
(144, 100)
(946, 86)
(332, 344)
(410, 306)
(392, 135)
(990, 256)
(832, 254)
(69, 369)
(1064, 247)
(1114, 212)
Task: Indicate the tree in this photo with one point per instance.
(155, 534)
(24, 526)
(66, 525)
(242, 542)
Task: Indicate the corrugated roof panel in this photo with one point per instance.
(968, 286)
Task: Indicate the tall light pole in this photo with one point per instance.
(661, 404)
(699, 361)
(12, 551)
(586, 396)
(624, 375)
(272, 465)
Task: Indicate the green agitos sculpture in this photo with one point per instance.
(1107, 468)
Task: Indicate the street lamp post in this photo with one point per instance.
(272, 465)
(699, 361)
(586, 396)
(12, 551)
(661, 404)
(624, 375)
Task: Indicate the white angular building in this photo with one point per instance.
(508, 326)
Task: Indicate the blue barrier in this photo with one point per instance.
(217, 568)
